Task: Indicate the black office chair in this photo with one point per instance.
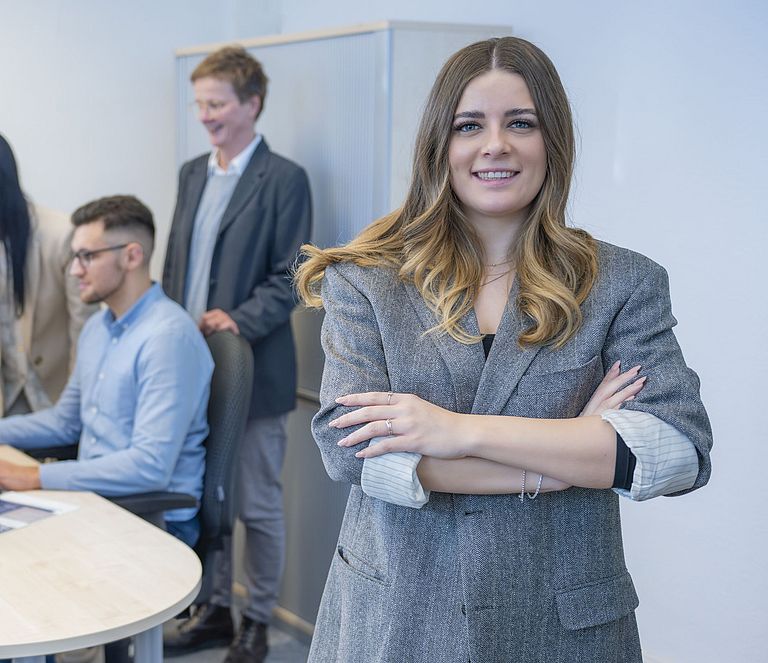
(227, 414)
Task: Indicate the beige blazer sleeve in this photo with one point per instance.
(52, 302)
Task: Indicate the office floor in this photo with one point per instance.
(283, 648)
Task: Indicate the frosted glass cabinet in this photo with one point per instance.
(345, 104)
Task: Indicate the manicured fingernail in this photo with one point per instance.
(630, 398)
(643, 379)
(616, 364)
(360, 454)
(342, 441)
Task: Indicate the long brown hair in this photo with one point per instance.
(428, 240)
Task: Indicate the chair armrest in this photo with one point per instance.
(158, 501)
(44, 454)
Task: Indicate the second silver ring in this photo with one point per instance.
(389, 426)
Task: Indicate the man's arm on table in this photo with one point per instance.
(59, 425)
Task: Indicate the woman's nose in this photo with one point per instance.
(497, 141)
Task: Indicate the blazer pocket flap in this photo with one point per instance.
(358, 565)
(598, 603)
(558, 380)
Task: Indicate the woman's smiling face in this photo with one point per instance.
(496, 153)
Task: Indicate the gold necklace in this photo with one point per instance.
(496, 264)
(495, 278)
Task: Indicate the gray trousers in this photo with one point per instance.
(260, 508)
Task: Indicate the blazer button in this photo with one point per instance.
(38, 361)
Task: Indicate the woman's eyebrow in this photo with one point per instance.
(479, 115)
(475, 115)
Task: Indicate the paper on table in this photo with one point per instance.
(21, 509)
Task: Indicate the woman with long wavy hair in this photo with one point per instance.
(472, 394)
(40, 309)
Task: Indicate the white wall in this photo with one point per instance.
(670, 100)
(87, 92)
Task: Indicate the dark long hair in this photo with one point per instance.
(15, 225)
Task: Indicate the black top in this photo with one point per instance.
(625, 459)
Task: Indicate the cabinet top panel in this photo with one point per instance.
(331, 33)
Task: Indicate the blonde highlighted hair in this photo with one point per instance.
(428, 240)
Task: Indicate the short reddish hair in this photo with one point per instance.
(236, 65)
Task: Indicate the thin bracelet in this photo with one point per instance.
(522, 492)
(538, 488)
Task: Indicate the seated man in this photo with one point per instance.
(138, 395)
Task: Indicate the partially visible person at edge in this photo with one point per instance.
(41, 313)
(241, 215)
(464, 333)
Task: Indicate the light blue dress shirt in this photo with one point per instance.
(137, 401)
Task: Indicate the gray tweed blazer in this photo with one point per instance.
(490, 579)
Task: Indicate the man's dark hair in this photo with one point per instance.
(117, 213)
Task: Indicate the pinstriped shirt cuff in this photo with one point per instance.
(667, 461)
(392, 477)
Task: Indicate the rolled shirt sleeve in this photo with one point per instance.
(392, 477)
(667, 461)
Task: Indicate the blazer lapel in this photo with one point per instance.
(507, 361)
(247, 185)
(197, 178)
(465, 362)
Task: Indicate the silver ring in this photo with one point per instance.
(389, 426)
(389, 398)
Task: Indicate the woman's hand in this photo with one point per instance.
(611, 392)
(407, 422)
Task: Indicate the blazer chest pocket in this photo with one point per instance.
(558, 393)
(597, 603)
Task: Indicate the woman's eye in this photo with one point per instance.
(466, 127)
(522, 124)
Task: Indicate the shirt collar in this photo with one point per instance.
(116, 326)
(238, 164)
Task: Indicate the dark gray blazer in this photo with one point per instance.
(267, 220)
(490, 579)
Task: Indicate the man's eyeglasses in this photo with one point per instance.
(85, 257)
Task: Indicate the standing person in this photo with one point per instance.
(241, 215)
(38, 298)
(463, 335)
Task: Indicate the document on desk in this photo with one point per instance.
(20, 509)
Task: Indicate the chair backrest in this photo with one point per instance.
(227, 414)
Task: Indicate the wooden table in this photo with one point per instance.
(89, 577)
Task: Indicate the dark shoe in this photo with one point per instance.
(250, 643)
(209, 626)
